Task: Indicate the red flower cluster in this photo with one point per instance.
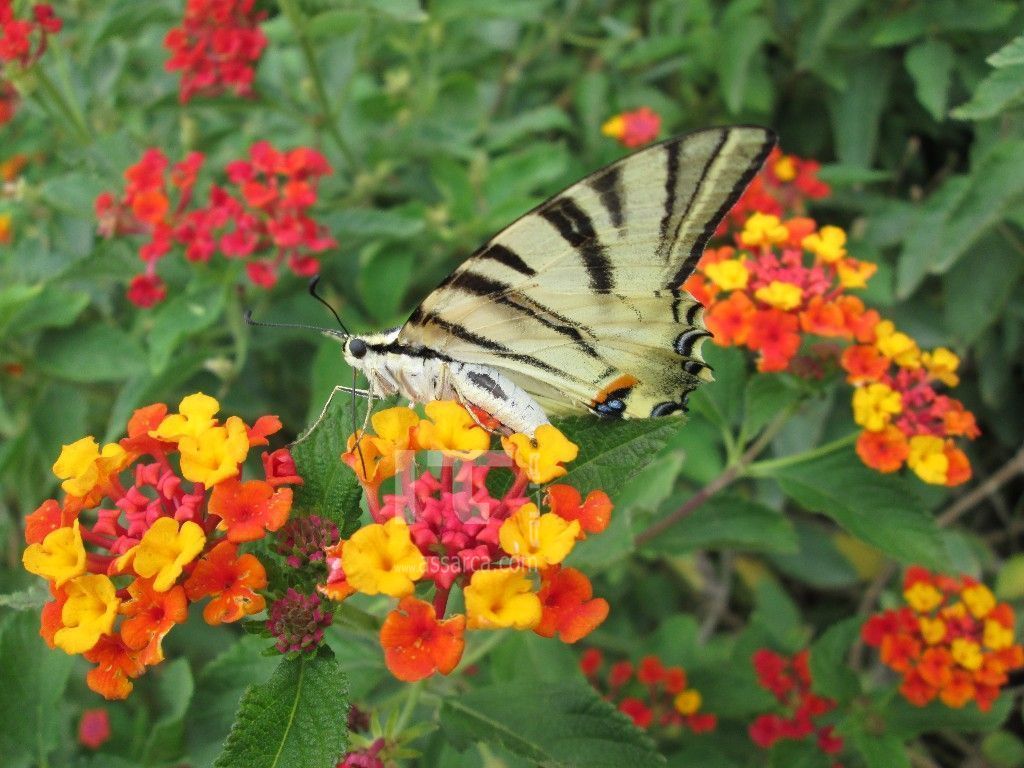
(267, 210)
(633, 129)
(782, 188)
(23, 41)
(784, 280)
(789, 681)
(952, 640)
(650, 693)
(216, 47)
(166, 538)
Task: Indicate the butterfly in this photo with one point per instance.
(578, 305)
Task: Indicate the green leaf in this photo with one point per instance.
(13, 299)
(294, 720)
(779, 616)
(766, 396)
(1010, 579)
(930, 64)
(30, 598)
(882, 510)
(400, 223)
(829, 670)
(34, 677)
(743, 31)
(53, 308)
(856, 111)
(1010, 54)
(906, 721)
(977, 290)
(329, 487)
(612, 452)
(1002, 89)
(397, 262)
(880, 750)
(541, 120)
(722, 401)
(90, 354)
(1003, 749)
(165, 739)
(180, 318)
(557, 725)
(729, 522)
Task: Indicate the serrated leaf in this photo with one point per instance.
(294, 720)
(557, 725)
(930, 64)
(329, 487)
(882, 510)
(34, 598)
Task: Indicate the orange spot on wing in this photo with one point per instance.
(623, 382)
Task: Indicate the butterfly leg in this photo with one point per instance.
(340, 388)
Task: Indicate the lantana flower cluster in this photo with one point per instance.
(446, 529)
(24, 40)
(262, 217)
(634, 128)
(216, 47)
(149, 525)
(952, 640)
(652, 694)
(788, 679)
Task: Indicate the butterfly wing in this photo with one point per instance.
(580, 301)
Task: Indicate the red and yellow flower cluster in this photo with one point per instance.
(216, 47)
(650, 693)
(952, 640)
(266, 211)
(904, 417)
(504, 553)
(635, 128)
(137, 539)
(23, 41)
(789, 681)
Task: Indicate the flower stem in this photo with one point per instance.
(412, 697)
(766, 468)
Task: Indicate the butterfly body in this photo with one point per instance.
(578, 306)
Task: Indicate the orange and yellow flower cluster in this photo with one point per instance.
(651, 694)
(505, 554)
(137, 539)
(952, 640)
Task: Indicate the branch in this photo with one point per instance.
(993, 483)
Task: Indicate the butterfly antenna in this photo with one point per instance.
(249, 321)
(312, 292)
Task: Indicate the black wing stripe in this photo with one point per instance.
(498, 348)
(608, 186)
(577, 229)
(671, 182)
(508, 257)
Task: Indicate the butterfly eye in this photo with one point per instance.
(357, 348)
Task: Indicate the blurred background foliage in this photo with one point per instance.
(444, 123)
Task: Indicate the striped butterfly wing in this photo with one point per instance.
(580, 301)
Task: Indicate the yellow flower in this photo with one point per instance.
(979, 600)
(828, 244)
(688, 702)
(729, 275)
(941, 364)
(452, 430)
(383, 559)
(897, 346)
(59, 557)
(614, 127)
(967, 653)
(932, 630)
(875, 405)
(88, 614)
(215, 454)
(537, 540)
(395, 425)
(855, 274)
(922, 597)
(785, 168)
(541, 458)
(997, 637)
(928, 459)
(6, 232)
(194, 417)
(502, 597)
(781, 295)
(82, 466)
(763, 229)
(164, 550)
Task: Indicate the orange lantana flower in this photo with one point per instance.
(568, 605)
(730, 319)
(885, 450)
(250, 509)
(116, 665)
(231, 580)
(775, 334)
(593, 515)
(151, 615)
(416, 644)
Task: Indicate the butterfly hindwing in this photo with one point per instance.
(580, 301)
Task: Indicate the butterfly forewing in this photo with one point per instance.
(580, 300)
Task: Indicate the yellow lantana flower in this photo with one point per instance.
(928, 459)
(997, 637)
(729, 275)
(932, 630)
(451, 429)
(897, 346)
(875, 405)
(785, 168)
(537, 540)
(688, 702)
(763, 229)
(502, 597)
(82, 465)
(164, 551)
(942, 364)
(979, 600)
(382, 559)
(542, 457)
(781, 295)
(922, 597)
(614, 127)
(194, 417)
(88, 614)
(59, 557)
(828, 244)
(214, 455)
(967, 653)
(855, 274)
